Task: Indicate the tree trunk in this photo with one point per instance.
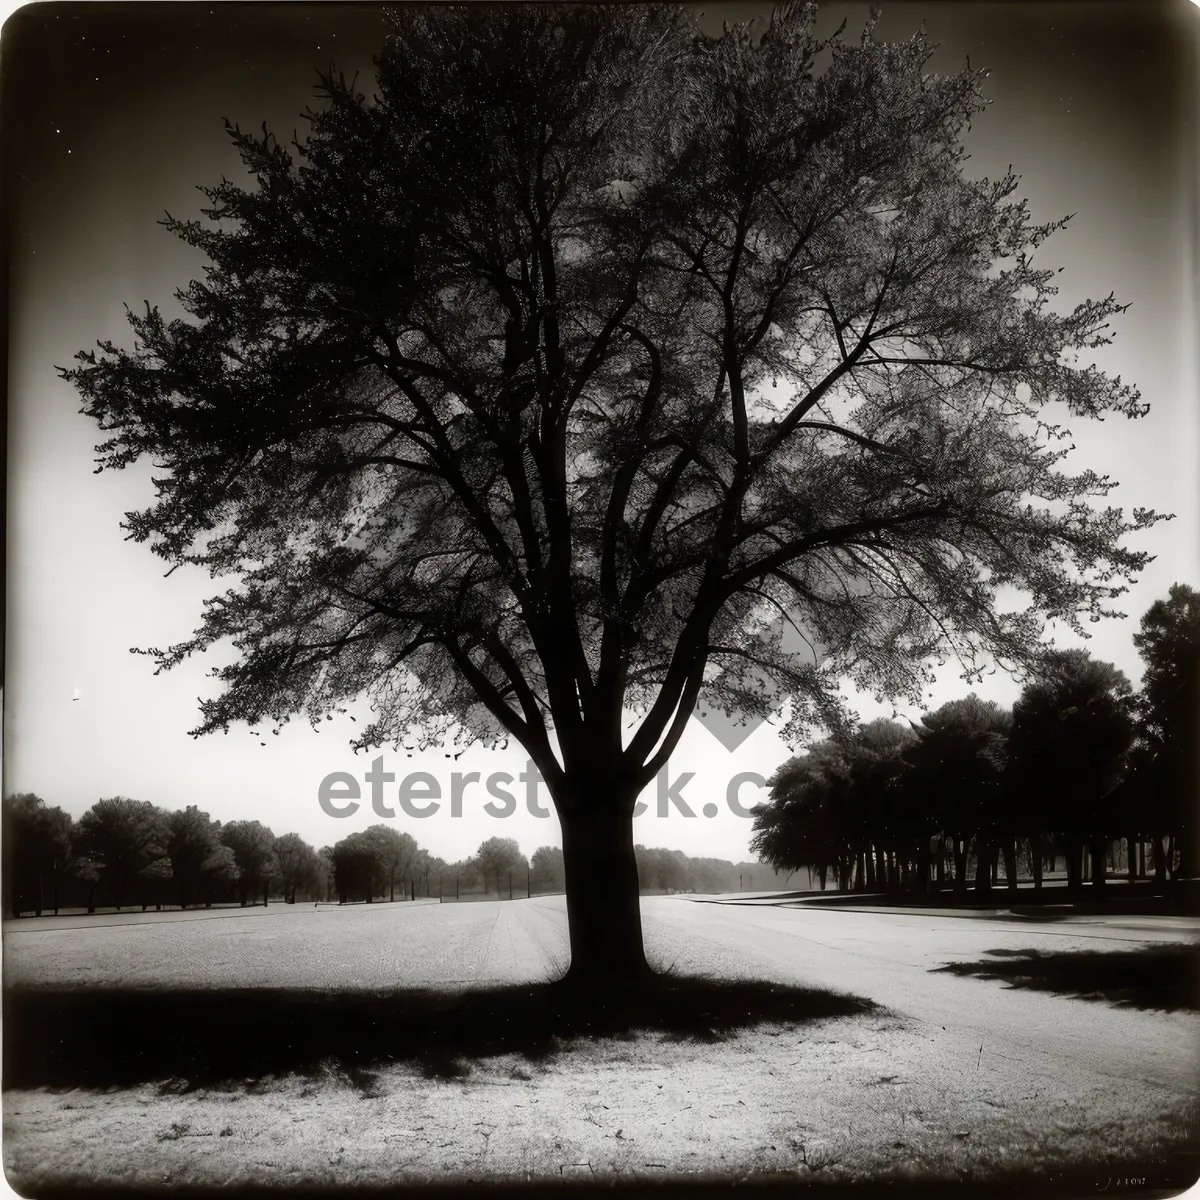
(1010, 865)
(983, 868)
(1037, 851)
(1159, 859)
(1131, 858)
(1073, 856)
(941, 862)
(604, 915)
(1187, 853)
(1099, 854)
(960, 867)
(869, 855)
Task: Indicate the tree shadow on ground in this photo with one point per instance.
(99, 1038)
(1151, 977)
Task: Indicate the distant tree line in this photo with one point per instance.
(660, 869)
(1082, 770)
(124, 852)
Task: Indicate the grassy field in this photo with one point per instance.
(413, 1042)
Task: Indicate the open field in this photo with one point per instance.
(929, 1073)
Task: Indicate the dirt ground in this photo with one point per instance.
(909, 1090)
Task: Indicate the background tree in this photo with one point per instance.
(496, 858)
(358, 870)
(1169, 718)
(87, 871)
(877, 815)
(253, 846)
(121, 836)
(806, 821)
(661, 868)
(533, 390)
(546, 870)
(299, 869)
(194, 837)
(327, 867)
(38, 851)
(219, 874)
(396, 854)
(958, 762)
(1073, 727)
(153, 881)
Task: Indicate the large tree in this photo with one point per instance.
(533, 390)
(1168, 641)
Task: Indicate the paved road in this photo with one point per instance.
(891, 957)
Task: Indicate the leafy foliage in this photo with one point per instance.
(537, 387)
(300, 869)
(253, 847)
(194, 840)
(37, 846)
(1073, 727)
(496, 858)
(121, 837)
(547, 872)
(1169, 710)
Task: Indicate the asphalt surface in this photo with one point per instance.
(891, 958)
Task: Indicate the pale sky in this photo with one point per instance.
(1088, 108)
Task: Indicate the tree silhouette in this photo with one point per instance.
(876, 800)
(1072, 730)
(396, 854)
(1169, 718)
(253, 847)
(496, 857)
(958, 762)
(298, 866)
(807, 821)
(194, 838)
(218, 872)
(37, 842)
(121, 836)
(546, 870)
(536, 390)
(358, 869)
